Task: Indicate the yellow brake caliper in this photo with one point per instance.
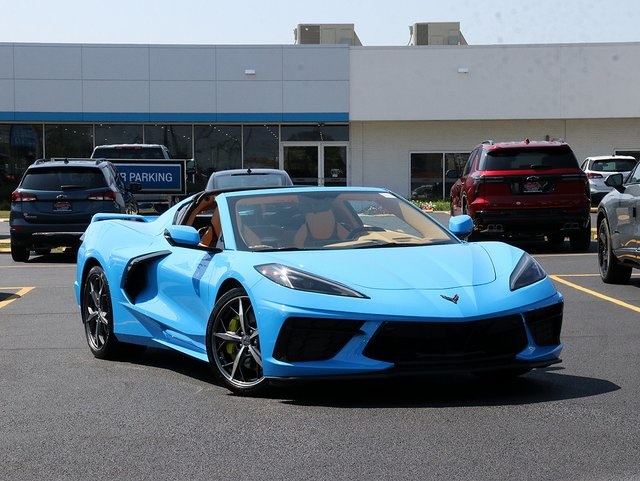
(231, 348)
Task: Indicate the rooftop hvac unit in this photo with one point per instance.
(326, 33)
(436, 33)
(308, 34)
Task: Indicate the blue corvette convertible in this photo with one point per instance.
(314, 282)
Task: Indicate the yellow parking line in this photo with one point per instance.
(594, 293)
(21, 292)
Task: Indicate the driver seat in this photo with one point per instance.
(319, 226)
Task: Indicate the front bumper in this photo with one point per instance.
(329, 348)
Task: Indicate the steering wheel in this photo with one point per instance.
(357, 232)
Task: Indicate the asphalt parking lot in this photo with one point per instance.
(66, 415)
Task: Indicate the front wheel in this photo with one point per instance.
(233, 344)
(97, 315)
(611, 271)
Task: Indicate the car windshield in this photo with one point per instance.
(63, 178)
(331, 219)
(613, 165)
(248, 180)
(530, 158)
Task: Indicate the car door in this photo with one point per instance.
(625, 227)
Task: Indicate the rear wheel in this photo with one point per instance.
(233, 344)
(19, 253)
(611, 271)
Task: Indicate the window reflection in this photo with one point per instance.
(177, 138)
(20, 145)
(428, 181)
(68, 140)
(261, 146)
(315, 133)
(217, 147)
(118, 134)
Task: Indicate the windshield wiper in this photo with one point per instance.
(540, 166)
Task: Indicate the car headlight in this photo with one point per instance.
(527, 272)
(303, 281)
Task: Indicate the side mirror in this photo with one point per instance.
(461, 226)
(135, 187)
(184, 235)
(615, 181)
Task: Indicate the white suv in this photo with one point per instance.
(600, 167)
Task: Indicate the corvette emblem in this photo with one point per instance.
(453, 299)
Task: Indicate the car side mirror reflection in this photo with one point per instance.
(461, 226)
(184, 235)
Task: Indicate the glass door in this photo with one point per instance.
(315, 163)
(334, 165)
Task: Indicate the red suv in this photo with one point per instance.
(525, 188)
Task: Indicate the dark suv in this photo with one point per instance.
(56, 199)
(525, 188)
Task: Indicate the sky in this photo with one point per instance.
(267, 22)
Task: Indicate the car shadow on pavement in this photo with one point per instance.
(541, 385)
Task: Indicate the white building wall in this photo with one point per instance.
(380, 151)
(502, 82)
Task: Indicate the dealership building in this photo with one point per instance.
(325, 108)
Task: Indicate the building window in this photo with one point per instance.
(261, 144)
(68, 140)
(632, 153)
(428, 181)
(20, 145)
(217, 147)
(315, 133)
(118, 134)
(177, 138)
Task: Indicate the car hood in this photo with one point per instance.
(418, 267)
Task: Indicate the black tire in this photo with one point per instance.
(581, 239)
(97, 315)
(233, 344)
(611, 271)
(19, 253)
